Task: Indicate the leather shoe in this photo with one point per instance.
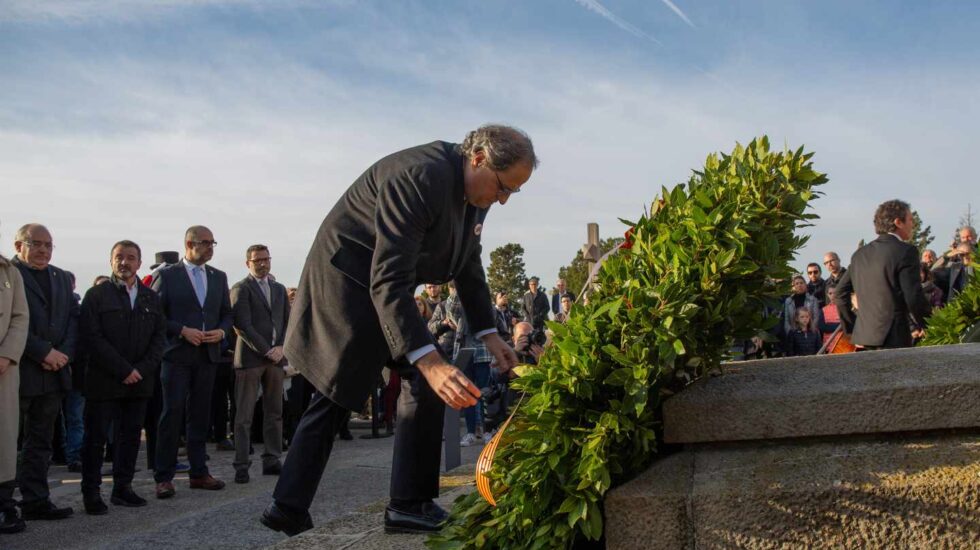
(125, 496)
(225, 445)
(346, 435)
(44, 510)
(75, 467)
(272, 469)
(241, 476)
(291, 524)
(10, 522)
(207, 483)
(94, 505)
(424, 518)
(165, 489)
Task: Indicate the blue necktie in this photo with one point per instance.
(199, 284)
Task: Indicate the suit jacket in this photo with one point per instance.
(885, 276)
(58, 331)
(535, 308)
(556, 300)
(951, 280)
(402, 223)
(181, 308)
(256, 321)
(118, 338)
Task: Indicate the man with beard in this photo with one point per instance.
(123, 329)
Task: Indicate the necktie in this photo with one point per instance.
(264, 285)
(199, 284)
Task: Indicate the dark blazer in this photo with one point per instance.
(556, 300)
(535, 308)
(402, 223)
(180, 306)
(119, 338)
(885, 276)
(59, 331)
(951, 279)
(255, 320)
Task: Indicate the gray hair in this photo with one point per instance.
(24, 232)
(502, 146)
(969, 228)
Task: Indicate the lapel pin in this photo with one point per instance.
(477, 229)
(6, 284)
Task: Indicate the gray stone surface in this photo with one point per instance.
(860, 393)
(355, 481)
(873, 492)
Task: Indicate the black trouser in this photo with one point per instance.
(299, 395)
(152, 422)
(184, 386)
(415, 464)
(222, 398)
(126, 418)
(37, 418)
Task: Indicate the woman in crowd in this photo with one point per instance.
(800, 299)
(933, 293)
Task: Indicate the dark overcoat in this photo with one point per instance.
(118, 338)
(885, 276)
(404, 222)
(59, 330)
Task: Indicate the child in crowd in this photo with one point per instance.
(803, 339)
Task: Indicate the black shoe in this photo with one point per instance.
(272, 469)
(425, 518)
(75, 467)
(241, 476)
(346, 435)
(291, 524)
(94, 505)
(225, 445)
(125, 496)
(10, 522)
(44, 510)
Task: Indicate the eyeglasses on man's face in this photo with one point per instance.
(43, 245)
(813, 273)
(265, 260)
(206, 244)
(502, 190)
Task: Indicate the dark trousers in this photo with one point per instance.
(184, 386)
(151, 423)
(415, 464)
(37, 418)
(222, 398)
(298, 398)
(125, 417)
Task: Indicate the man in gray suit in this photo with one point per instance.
(884, 274)
(413, 217)
(261, 311)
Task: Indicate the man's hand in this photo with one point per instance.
(213, 336)
(133, 378)
(192, 335)
(505, 357)
(4, 365)
(918, 333)
(449, 383)
(55, 360)
(275, 354)
(449, 323)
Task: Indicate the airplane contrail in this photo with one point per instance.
(597, 7)
(673, 7)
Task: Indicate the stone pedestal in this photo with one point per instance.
(869, 450)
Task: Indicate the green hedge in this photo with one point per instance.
(695, 273)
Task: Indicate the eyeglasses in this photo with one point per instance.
(813, 273)
(828, 262)
(39, 244)
(209, 244)
(503, 191)
(261, 260)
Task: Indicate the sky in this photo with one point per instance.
(138, 118)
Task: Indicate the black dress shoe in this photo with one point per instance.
(272, 469)
(291, 524)
(423, 518)
(346, 435)
(225, 445)
(75, 467)
(125, 496)
(241, 476)
(44, 510)
(94, 505)
(10, 522)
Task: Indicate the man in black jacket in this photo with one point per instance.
(44, 378)
(122, 327)
(414, 217)
(884, 274)
(534, 305)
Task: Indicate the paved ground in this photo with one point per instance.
(350, 502)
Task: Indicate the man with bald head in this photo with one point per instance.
(44, 373)
(195, 300)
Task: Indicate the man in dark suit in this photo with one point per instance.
(261, 313)
(123, 328)
(959, 269)
(884, 274)
(413, 217)
(44, 376)
(194, 297)
(534, 305)
(560, 292)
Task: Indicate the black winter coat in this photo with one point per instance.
(120, 338)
